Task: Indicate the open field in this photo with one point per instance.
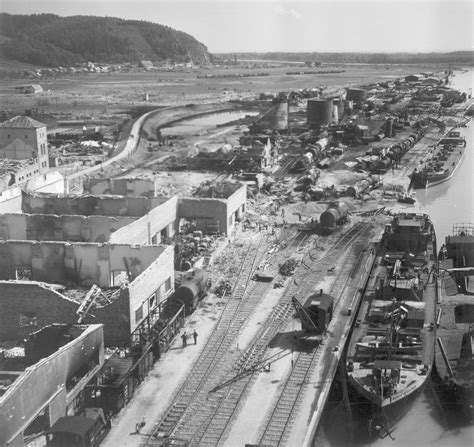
(111, 92)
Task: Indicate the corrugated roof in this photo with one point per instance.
(22, 122)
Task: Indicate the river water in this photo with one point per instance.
(431, 422)
(200, 124)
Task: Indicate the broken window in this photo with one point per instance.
(118, 278)
(23, 273)
(168, 284)
(152, 301)
(27, 319)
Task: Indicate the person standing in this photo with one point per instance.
(195, 336)
(184, 337)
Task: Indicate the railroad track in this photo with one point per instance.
(277, 428)
(235, 313)
(209, 427)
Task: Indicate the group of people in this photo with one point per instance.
(184, 337)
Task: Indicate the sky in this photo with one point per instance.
(290, 26)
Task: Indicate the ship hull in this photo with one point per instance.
(423, 180)
(383, 419)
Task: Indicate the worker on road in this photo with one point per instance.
(195, 336)
(184, 337)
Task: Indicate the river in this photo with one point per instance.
(431, 422)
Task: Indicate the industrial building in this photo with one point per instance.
(45, 379)
(23, 138)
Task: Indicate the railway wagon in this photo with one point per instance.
(192, 289)
(336, 214)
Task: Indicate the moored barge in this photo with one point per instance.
(391, 350)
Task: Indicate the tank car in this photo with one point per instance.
(335, 214)
(192, 289)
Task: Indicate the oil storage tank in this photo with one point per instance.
(319, 112)
(335, 214)
(192, 289)
(356, 94)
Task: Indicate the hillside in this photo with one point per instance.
(50, 40)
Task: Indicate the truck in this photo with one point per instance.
(79, 431)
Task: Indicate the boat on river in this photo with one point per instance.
(391, 349)
(454, 360)
(442, 163)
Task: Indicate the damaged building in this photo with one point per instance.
(45, 379)
(100, 259)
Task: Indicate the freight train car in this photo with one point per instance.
(192, 289)
(336, 214)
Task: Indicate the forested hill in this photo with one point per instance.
(50, 40)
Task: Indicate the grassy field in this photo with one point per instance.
(111, 92)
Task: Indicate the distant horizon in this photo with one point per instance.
(319, 26)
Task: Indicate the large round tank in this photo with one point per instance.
(335, 214)
(319, 111)
(356, 94)
(187, 293)
(192, 289)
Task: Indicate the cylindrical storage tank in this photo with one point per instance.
(329, 218)
(319, 112)
(356, 94)
(187, 293)
(334, 214)
(335, 114)
(192, 289)
(351, 191)
(389, 128)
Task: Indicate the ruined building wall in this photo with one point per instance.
(207, 213)
(44, 384)
(150, 229)
(81, 263)
(89, 205)
(121, 187)
(156, 281)
(50, 227)
(28, 306)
